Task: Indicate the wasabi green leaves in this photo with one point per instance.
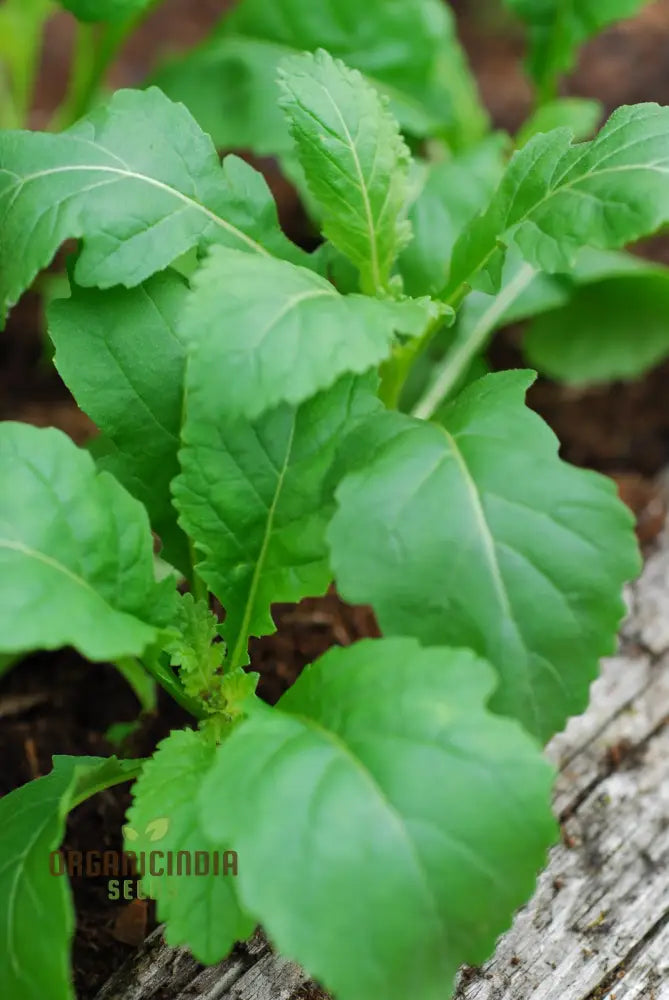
(140, 182)
(279, 333)
(354, 159)
(76, 553)
(382, 794)
(445, 197)
(556, 198)
(120, 353)
(475, 534)
(615, 328)
(256, 496)
(201, 910)
(408, 49)
(32, 823)
(557, 29)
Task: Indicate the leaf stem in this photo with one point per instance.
(170, 683)
(96, 48)
(198, 586)
(140, 680)
(458, 360)
(395, 371)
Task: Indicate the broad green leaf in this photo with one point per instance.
(613, 329)
(556, 198)
(407, 48)
(557, 29)
(76, 553)
(256, 496)
(355, 160)
(382, 794)
(579, 114)
(279, 333)
(140, 182)
(476, 534)
(105, 10)
(201, 910)
(36, 917)
(120, 353)
(448, 195)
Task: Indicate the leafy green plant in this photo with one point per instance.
(252, 405)
(102, 28)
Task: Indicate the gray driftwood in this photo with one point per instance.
(597, 927)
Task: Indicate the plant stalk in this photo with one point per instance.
(458, 360)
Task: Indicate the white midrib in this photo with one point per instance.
(242, 639)
(14, 546)
(153, 182)
(362, 184)
(484, 531)
(491, 556)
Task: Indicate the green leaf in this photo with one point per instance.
(448, 196)
(557, 28)
(256, 497)
(408, 49)
(201, 911)
(276, 332)
(355, 160)
(34, 966)
(194, 650)
(476, 534)
(120, 353)
(200, 659)
(556, 198)
(105, 10)
(579, 114)
(613, 329)
(76, 553)
(140, 182)
(381, 794)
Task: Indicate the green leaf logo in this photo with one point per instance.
(155, 830)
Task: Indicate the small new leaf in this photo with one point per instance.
(195, 650)
(354, 158)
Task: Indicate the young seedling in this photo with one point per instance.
(392, 811)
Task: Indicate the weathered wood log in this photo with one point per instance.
(597, 927)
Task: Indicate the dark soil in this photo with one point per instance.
(57, 703)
